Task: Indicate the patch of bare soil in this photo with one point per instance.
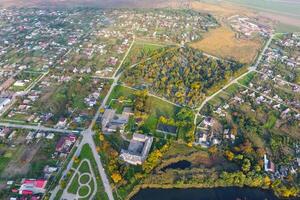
(21, 164)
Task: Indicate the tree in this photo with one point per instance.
(101, 137)
(116, 177)
(247, 147)
(257, 168)
(267, 181)
(239, 157)
(229, 155)
(185, 114)
(152, 161)
(213, 150)
(63, 184)
(76, 159)
(246, 165)
(98, 149)
(234, 130)
(260, 152)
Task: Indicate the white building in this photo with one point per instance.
(138, 149)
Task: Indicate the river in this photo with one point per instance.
(229, 193)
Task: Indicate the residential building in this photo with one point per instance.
(268, 165)
(33, 186)
(65, 143)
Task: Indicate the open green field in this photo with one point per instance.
(247, 79)
(141, 50)
(158, 108)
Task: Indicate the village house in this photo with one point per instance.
(208, 122)
(269, 166)
(48, 171)
(65, 143)
(202, 136)
(61, 123)
(33, 186)
(4, 132)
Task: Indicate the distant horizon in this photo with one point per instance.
(86, 3)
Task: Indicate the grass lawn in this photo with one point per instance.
(120, 91)
(178, 149)
(117, 142)
(86, 152)
(84, 179)
(232, 89)
(139, 51)
(74, 185)
(247, 79)
(257, 140)
(84, 190)
(84, 167)
(119, 106)
(271, 121)
(59, 194)
(3, 162)
(29, 76)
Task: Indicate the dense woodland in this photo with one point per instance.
(183, 75)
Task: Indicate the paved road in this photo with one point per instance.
(216, 58)
(263, 51)
(32, 85)
(121, 63)
(116, 79)
(103, 175)
(38, 128)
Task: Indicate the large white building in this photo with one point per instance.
(138, 149)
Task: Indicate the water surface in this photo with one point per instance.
(230, 193)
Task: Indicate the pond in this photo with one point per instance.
(229, 193)
(183, 164)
